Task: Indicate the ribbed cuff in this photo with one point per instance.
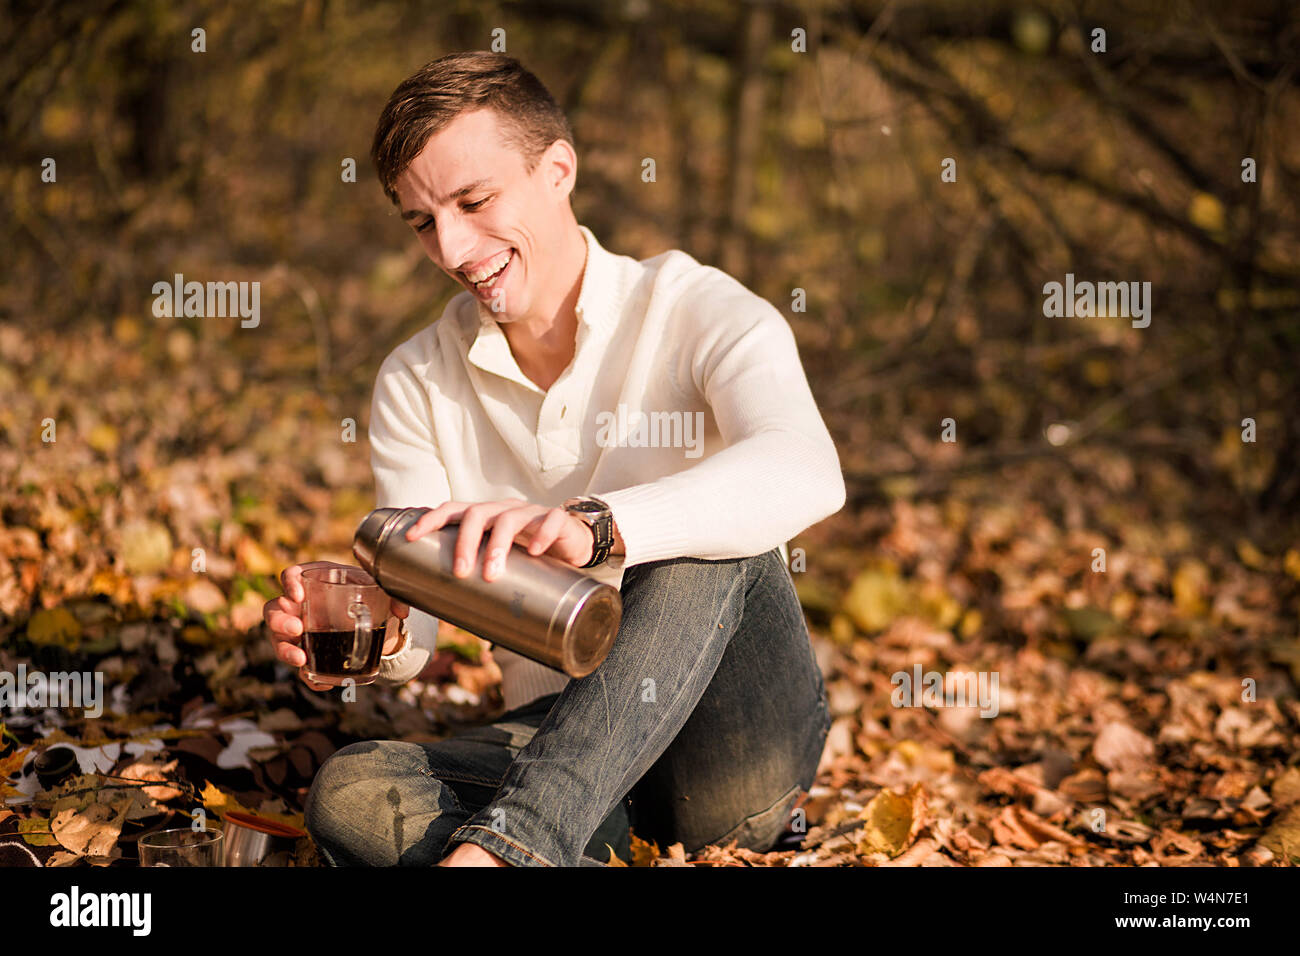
(650, 521)
(421, 645)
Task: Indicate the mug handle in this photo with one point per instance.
(360, 613)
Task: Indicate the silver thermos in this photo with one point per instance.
(539, 607)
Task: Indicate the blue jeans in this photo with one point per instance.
(702, 725)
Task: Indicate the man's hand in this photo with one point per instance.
(551, 531)
(283, 617)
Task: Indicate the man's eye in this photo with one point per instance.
(429, 222)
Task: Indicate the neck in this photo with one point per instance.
(543, 342)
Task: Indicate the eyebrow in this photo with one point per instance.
(464, 190)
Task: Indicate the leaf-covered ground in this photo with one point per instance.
(1146, 714)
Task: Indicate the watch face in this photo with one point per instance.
(589, 507)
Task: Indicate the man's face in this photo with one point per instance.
(506, 210)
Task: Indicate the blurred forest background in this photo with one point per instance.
(816, 169)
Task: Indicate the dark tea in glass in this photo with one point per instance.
(345, 617)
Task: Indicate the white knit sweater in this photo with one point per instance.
(677, 342)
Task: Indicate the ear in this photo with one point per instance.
(559, 164)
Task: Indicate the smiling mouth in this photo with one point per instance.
(488, 283)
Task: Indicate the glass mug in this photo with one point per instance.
(184, 847)
(345, 619)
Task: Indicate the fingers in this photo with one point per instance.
(505, 527)
(291, 582)
(276, 610)
(472, 523)
(399, 609)
(291, 577)
(548, 529)
(283, 617)
(435, 518)
(510, 518)
(286, 635)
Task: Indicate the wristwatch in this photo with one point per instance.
(600, 520)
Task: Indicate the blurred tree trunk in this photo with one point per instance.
(681, 109)
(747, 135)
(144, 104)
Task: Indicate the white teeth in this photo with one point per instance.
(492, 268)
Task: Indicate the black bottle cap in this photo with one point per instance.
(54, 765)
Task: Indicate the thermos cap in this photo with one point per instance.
(592, 631)
(369, 539)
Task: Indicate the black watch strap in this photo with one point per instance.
(596, 514)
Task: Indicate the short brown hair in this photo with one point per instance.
(441, 90)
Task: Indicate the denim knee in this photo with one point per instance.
(340, 791)
(360, 800)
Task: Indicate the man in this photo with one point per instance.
(666, 400)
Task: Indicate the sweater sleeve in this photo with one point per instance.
(779, 471)
(409, 472)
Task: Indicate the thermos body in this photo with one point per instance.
(539, 607)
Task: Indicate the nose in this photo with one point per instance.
(455, 242)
